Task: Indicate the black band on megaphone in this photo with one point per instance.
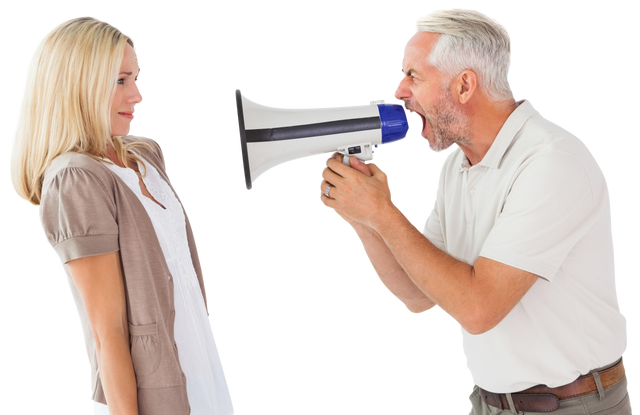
(312, 130)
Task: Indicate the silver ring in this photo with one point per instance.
(326, 191)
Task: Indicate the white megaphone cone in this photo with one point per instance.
(271, 136)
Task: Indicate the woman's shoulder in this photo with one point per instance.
(77, 171)
(76, 161)
(74, 164)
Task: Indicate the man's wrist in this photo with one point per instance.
(388, 218)
(361, 229)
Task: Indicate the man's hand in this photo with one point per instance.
(358, 193)
(357, 165)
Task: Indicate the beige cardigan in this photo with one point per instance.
(87, 210)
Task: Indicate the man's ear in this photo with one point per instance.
(467, 83)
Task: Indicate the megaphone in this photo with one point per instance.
(271, 136)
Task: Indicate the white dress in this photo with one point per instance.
(206, 385)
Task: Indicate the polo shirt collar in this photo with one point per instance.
(506, 135)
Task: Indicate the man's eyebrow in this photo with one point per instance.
(408, 73)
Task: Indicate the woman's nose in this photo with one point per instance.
(134, 97)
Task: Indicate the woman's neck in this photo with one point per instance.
(113, 156)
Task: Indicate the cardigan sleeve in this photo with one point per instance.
(79, 215)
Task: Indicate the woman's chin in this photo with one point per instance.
(119, 133)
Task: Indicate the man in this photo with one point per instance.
(518, 248)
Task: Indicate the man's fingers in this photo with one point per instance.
(360, 166)
(354, 163)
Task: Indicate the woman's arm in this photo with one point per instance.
(99, 280)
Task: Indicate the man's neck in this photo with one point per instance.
(487, 119)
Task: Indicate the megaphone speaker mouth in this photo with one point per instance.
(243, 140)
(271, 136)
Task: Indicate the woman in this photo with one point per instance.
(109, 211)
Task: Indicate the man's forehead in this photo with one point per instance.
(418, 48)
(422, 42)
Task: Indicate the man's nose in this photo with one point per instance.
(402, 92)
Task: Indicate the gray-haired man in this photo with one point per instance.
(518, 247)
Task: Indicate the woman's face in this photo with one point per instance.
(127, 94)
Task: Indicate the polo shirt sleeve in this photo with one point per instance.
(78, 215)
(553, 202)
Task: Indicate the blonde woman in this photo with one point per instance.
(110, 213)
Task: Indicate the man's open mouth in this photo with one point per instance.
(422, 120)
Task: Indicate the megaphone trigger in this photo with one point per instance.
(362, 152)
(271, 136)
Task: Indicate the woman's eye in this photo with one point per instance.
(121, 81)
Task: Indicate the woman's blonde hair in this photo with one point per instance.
(67, 101)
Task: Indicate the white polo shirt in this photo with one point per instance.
(538, 202)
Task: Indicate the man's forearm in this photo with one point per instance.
(446, 281)
(391, 273)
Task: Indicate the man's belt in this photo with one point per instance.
(544, 399)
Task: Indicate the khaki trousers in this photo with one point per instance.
(614, 402)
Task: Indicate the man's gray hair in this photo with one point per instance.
(471, 40)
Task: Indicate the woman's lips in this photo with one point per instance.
(128, 115)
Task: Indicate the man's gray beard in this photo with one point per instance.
(448, 122)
